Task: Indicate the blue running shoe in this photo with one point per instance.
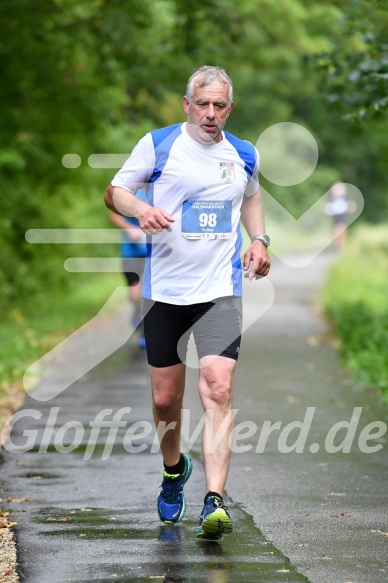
(214, 520)
(171, 500)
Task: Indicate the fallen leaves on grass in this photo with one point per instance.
(12, 395)
(8, 562)
(4, 519)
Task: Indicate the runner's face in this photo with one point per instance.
(207, 112)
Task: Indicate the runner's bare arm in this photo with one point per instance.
(256, 259)
(133, 232)
(152, 220)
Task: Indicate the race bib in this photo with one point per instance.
(207, 219)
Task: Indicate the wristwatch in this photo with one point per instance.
(263, 238)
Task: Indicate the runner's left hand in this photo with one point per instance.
(256, 261)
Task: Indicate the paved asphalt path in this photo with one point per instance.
(84, 493)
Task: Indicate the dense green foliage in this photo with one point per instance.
(33, 329)
(354, 82)
(364, 338)
(92, 76)
(356, 70)
(355, 301)
(85, 76)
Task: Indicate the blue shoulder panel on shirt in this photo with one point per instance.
(245, 150)
(161, 134)
(163, 140)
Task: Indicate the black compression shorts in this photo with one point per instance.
(133, 268)
(216, 327)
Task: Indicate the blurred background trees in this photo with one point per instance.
(92, 76)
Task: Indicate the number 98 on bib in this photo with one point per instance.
(207, 219)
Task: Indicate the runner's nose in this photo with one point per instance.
(210, 114)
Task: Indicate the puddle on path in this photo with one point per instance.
(138, 549)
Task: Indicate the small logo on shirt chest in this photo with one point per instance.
(227, 172)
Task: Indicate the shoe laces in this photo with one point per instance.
(171, 489)
(217, 502)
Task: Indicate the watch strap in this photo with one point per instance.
(263, 238)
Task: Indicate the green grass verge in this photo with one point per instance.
(355, 300)
(31, 328)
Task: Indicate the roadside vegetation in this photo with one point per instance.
(81, 77)
(355, 301)
(32, 328)
(42, 302)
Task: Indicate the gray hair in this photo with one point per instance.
(208, 75)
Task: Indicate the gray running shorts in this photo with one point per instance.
(216, 327)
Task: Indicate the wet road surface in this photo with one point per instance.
(84, 494)
(95, 519)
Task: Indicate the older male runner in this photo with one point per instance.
(200, 181)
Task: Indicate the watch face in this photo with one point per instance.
(263, 238)
(266, 240)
